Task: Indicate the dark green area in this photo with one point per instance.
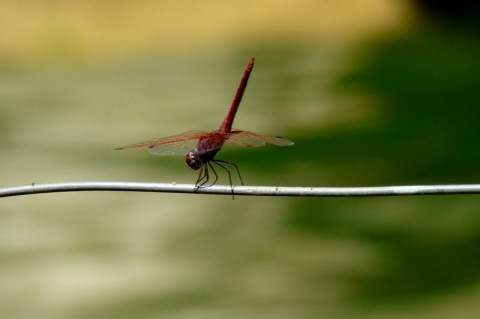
(427, 85)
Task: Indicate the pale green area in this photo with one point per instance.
(399, 110)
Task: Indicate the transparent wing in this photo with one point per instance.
(179, 144)
(249, 139)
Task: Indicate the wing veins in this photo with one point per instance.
(249, 139)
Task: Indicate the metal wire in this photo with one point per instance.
(31, 189)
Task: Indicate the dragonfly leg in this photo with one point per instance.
(214, 172)
(228, 171)
(221, 164)
(225, 168)
(234, 165)
(203, 177)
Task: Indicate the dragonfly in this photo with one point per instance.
(201, 147)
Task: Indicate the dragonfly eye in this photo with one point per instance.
(193, 160)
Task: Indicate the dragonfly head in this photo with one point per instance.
(193, 160)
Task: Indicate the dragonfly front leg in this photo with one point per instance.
(203, 177)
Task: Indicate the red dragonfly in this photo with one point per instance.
(201, 146)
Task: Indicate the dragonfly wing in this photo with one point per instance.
(245, 140)
(249, 139)
(277, 140)
(179, 144)
(173, 148)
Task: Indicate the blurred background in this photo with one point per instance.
(373, 92)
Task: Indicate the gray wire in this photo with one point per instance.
(31, 189)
